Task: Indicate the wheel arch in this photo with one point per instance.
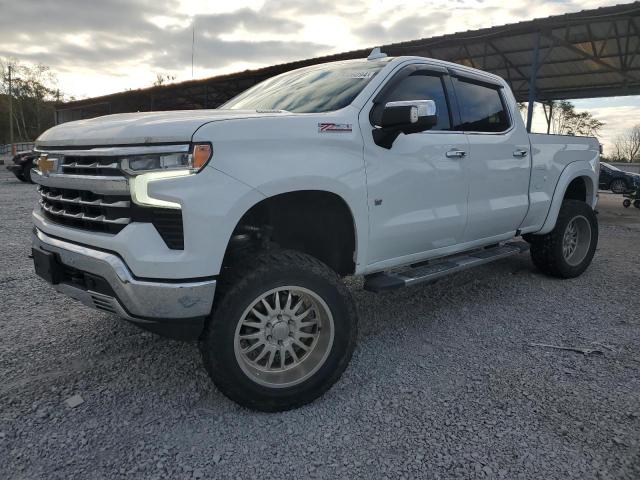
(578, 181)
(318, 222)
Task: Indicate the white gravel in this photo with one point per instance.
(443, 383)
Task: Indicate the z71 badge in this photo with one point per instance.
(334, 127)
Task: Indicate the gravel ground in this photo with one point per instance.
(444, 382)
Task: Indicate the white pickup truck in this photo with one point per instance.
(234, 226)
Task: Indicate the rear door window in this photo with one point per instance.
(482, 107)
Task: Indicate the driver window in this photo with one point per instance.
(418, 86)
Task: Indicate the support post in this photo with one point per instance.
(532, 81)
(13, 148)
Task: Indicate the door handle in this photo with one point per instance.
(456, 154)
(520, 153)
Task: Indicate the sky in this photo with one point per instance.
(96, 47)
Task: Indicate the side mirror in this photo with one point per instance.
(410, 116)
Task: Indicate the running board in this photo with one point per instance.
(423, 273)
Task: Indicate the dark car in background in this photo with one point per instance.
(22, 165)
(616, 180)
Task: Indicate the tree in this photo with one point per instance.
(562, 119)
(626, 147)
(163, 79)
(34, 92)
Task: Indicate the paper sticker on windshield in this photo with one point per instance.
(334, 127)
(359, 75)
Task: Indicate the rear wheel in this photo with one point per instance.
(626, 203)
(618, 186)
(636, 203)
(568, 249)
(281, 333)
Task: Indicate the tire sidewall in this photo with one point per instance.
(26, 172)
(218, 343)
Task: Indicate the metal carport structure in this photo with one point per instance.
(588, 54)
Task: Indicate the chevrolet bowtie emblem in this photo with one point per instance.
(46, 164)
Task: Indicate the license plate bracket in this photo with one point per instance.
(46, 265)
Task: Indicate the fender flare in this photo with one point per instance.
(571, 172)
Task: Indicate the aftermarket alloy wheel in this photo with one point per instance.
(284, 336)
(282, 331)
(618, 186)
(568, 249)
(576, 240)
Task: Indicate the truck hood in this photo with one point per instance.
(176, 126)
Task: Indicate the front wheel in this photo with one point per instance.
(636, 203)
(568, 249)
(626, 203)
(281, 333)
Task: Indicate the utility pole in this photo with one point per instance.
(13, 152)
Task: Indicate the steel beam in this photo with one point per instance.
(532, 81)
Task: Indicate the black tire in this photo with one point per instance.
(26, 172)
(245, 281)
(636, 203)
(626, 203)
(547, 250)
(618, 185)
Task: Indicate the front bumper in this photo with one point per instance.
(102, 280)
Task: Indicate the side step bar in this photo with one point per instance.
(423, 273)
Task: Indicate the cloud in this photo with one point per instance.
(113, 35)
(250, 20)
(406, 28)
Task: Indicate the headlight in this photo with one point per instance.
(159, 162)
(192, 161)
(151, 167)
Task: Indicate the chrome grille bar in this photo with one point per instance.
(116, 151)
(102, 185)
(61, 212)
(79, 201)
(91, 166)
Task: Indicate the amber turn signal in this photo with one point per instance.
(201, 155)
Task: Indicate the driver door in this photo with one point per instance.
(417, 189)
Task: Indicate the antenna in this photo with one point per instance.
(376, 54)
(193, 41)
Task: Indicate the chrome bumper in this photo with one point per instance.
(141, 301)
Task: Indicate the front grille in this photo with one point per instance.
(108, 213)
(80, 165)
(85, 210)
(68, 195)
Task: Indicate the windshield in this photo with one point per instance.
(319, 88)
(610, 166)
